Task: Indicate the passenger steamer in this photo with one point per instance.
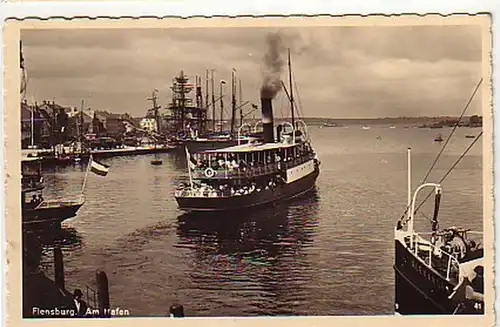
(440, 274)
(256, 173)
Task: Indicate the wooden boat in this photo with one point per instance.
(36, 211)
(438, 138)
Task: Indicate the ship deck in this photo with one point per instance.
(252, 147)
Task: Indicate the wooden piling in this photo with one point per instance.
(58, 268)
(103, 293)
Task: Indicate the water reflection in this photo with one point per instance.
(38, 244)
(258, 257)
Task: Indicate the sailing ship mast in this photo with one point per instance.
(221, 105)
(233, 99)
(32, 124)
(206, 93)
(240, 102)
(213, 99)
(155, 108)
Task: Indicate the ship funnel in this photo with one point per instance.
(267, 119)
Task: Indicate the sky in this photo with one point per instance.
(340, 72)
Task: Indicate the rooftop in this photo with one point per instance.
(251, 147)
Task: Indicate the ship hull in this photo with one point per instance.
(419, 290)
(206, 145)
(253, 200)
(40, 216)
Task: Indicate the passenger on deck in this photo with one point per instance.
(478, 282)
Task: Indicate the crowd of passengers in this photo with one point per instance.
(224, 190)
(231, 161)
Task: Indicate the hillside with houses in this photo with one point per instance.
(46, 124)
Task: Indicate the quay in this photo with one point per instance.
(45, 297)
(48, 156)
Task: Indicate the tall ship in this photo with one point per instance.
(277, 167)
(188, 121)
(440, 271)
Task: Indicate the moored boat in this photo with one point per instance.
(36, 211)
(438, 274)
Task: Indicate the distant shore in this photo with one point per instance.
(408, 121)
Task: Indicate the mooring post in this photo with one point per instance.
(102, 293)
(176, 311)
(58, 267)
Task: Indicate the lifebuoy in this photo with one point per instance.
(209, 172)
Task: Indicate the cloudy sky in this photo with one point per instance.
(340, 72)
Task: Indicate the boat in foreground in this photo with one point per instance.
(36, 211)
(256, 173)
(439, 274)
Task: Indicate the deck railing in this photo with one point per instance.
(249, 171)
(91, 297)
(424, 246)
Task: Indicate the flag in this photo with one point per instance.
(190, 159)
(98, 168)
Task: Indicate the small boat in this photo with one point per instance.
(156, 162)
(35, 210)
(438, 274)
(438, 138)
(366, 127)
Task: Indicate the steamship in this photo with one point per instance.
(440, 272)
(255, 173)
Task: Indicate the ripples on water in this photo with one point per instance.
(328, 253)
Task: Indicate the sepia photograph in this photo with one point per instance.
(325, 167)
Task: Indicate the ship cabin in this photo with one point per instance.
(248, 161)
(244, 168)
(32, 182)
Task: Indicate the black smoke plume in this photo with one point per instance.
(273, 66)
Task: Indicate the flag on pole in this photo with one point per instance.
(190, 159)
(99, 168)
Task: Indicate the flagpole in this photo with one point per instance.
(86, 175)
(189, 167)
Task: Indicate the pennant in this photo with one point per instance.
(190, 159)
(99, 168)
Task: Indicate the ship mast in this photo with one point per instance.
(154, 98)
(221, 105)
(291, 88)
(213, 99)
(233, 99)
(240, 102)
(206, 94)
(80, 130)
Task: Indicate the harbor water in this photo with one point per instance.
(328, 253)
